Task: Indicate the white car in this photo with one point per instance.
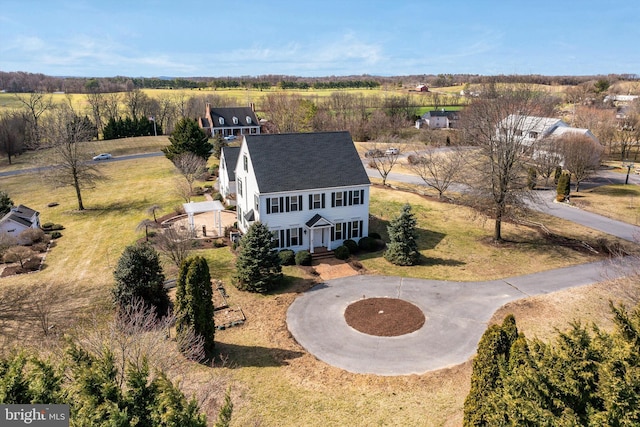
(103, 156)
(230, 137)
(392, 151)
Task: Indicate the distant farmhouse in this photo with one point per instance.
(17, 220)
(438, 119)
(310, 189)
(228, 121)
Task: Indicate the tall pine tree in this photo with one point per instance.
(258, 266)
(194, 301)
(138, 274)
(188, 137)
(403, 246)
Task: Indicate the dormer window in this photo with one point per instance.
(221, 120)
(235, 120)
(248, 120)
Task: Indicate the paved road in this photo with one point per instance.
(547, 204)
(113, 159)
(456, 314)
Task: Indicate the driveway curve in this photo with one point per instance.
(457, 314)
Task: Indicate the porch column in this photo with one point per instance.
(328, 238)
(311, 245)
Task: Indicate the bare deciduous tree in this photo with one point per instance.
(498, 126)
(546, 159)
(581, 156)
(36, 104)
(289, 113)
(438, 168)
(384, 163)
(69, 160)
(19, 254)
(174, 243)
(153, 210)
(191, 167)
(13, 134)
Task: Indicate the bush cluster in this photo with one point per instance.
(303, 258)
(351, 245)
(342, 252)
(287, 257)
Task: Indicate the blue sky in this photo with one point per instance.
(186, 38)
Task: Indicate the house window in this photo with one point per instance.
(235, 120)
(239, 186)
(295, 236)
(248, 120)
(356, 197)
(275, 205)
(256, 200)
(245, 163)
(221, 120)
(355, 229)
(316, 201)
(338, 199)
(276, 239)
(293, 204)
(338, 231)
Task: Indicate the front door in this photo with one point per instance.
(318, 237)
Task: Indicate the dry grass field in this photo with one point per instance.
(274, 382)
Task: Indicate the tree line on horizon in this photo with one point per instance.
(18, 81)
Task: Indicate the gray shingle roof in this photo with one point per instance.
(304, 161)
(228, 113)
(230, 159)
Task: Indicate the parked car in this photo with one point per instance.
(392, 151)
(374, 153)
(230, 138)
(103, 156)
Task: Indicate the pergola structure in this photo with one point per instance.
(213, 206)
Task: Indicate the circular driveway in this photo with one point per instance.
(456, 314)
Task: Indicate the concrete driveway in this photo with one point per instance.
(456, 314)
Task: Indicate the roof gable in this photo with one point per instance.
(304, 161)
(230, 156)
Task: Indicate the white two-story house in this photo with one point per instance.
(18, 219)
(310, 189)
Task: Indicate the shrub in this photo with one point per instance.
(39, 247)
(217, 197)
(56, 235)
(375, 235)
(351, 245)
(303, 258)
(47, 226)
(32, 235)
(367, 244)
(219, 243)
(342, 252)
(287, 257)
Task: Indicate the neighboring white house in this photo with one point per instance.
(438, 119)
(227, 174)
(310, 189)
(19, 219)
(534, 128)
(227, 121)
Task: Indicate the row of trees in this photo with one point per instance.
(586, 377)
(29, 82)
(127, 127)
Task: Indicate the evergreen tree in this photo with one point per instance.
(188, 137)
(218, 143)
(564, 187)
(258, 266)
(224, 416)
(138, 274)
(194, 301)
(5, 203)
(403, 245)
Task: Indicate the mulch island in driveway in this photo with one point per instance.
(384, 317)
